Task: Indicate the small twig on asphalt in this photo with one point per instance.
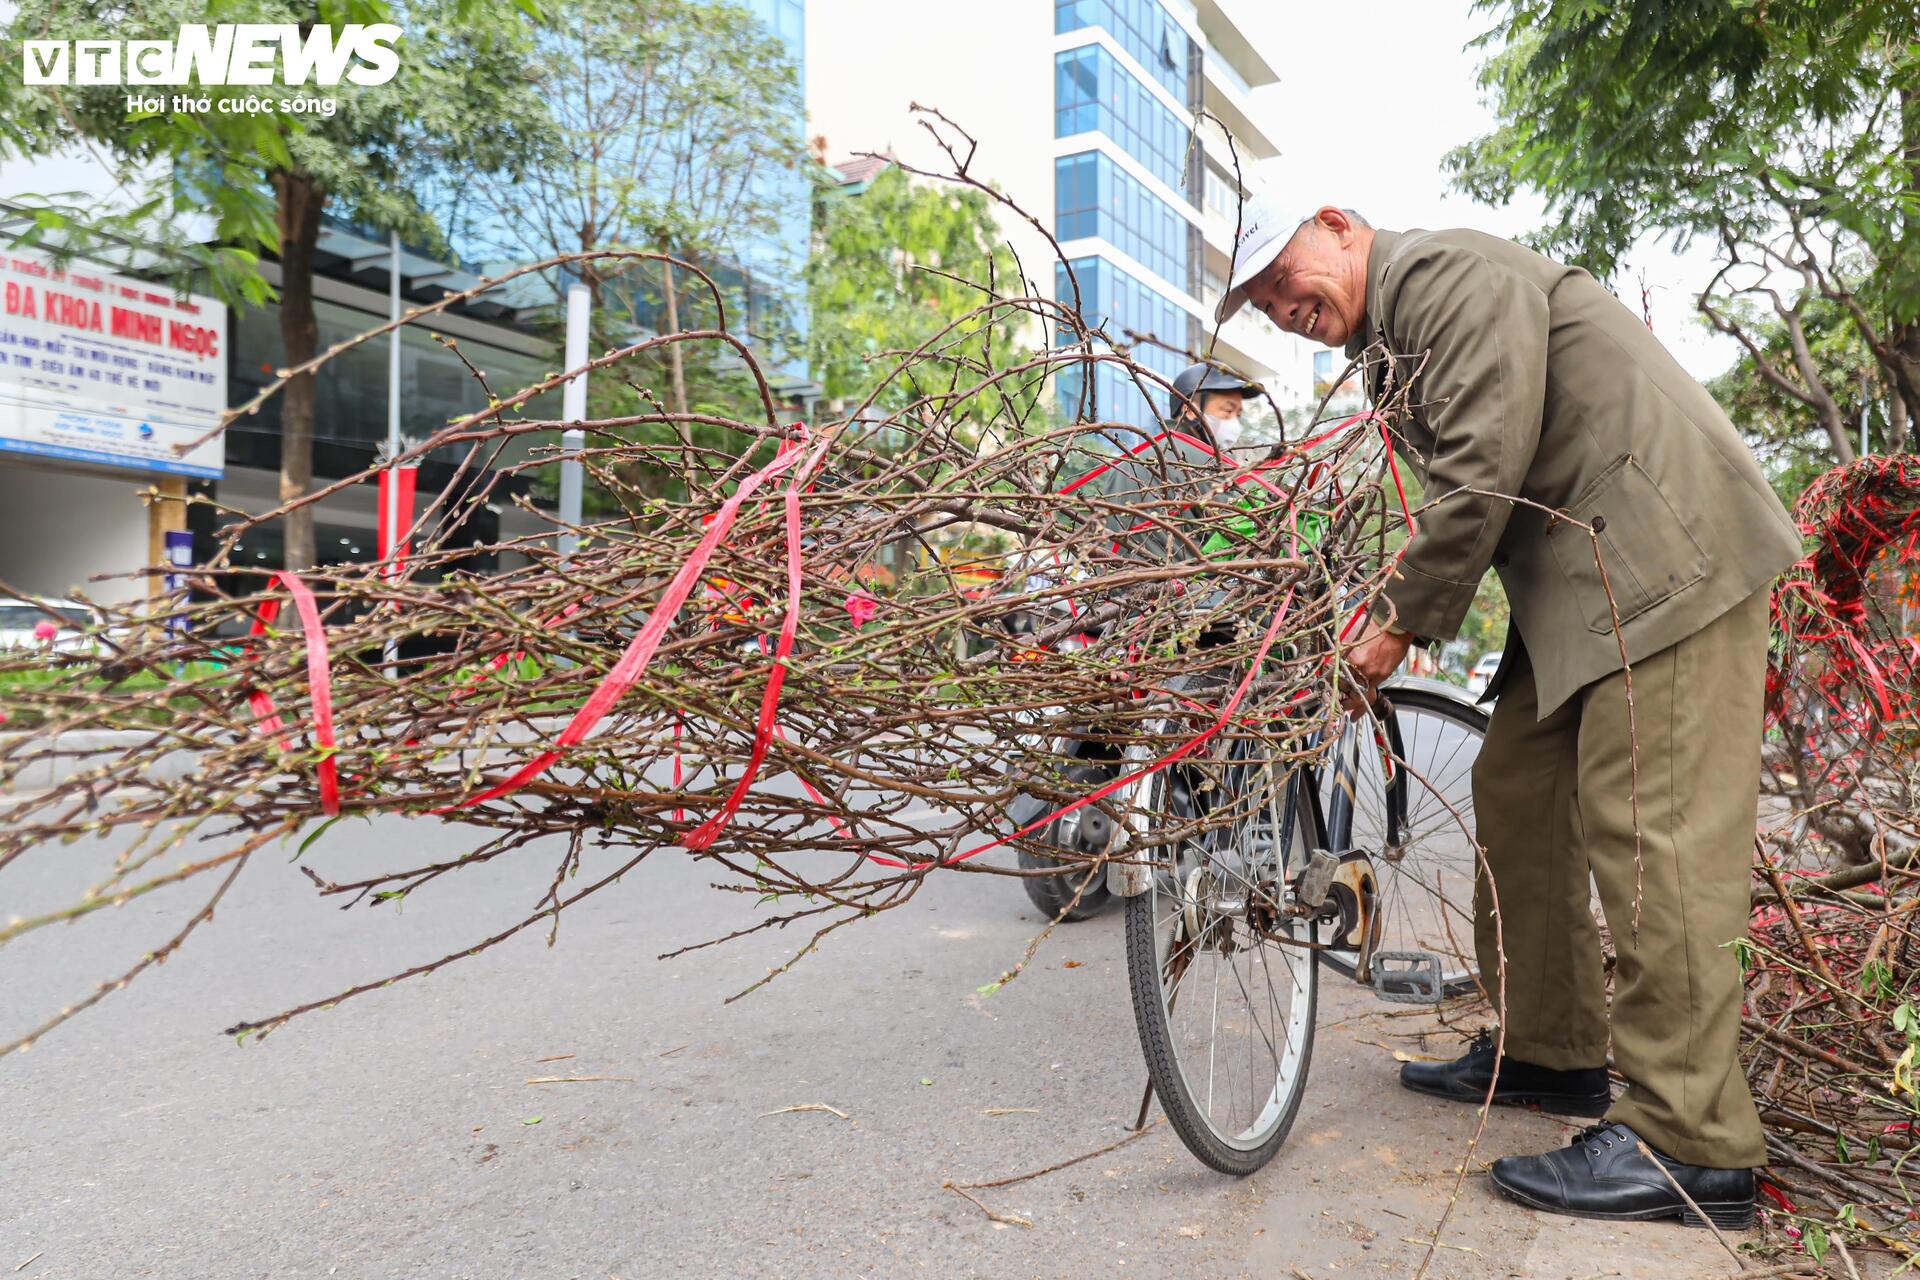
(1442, 1244)
(669, 1053)
(1010, 1219)
(578, 1079)
(29, 1262)
(558, 1057)
(1054, 1168)
(807, 1106)
(1012, 1111)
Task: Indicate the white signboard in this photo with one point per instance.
(95, 367)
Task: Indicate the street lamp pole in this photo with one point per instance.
(1864, 403)
(573, 408)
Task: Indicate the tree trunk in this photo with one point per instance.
(1839, 432)
(299, 201)
(591, 273)
(1901, 420)
(1906, 350)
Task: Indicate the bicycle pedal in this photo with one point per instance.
(1408, 977)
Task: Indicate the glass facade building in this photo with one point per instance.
(1145, 30)
(436, 387)
(1097, 198)
(1093, 196)
(1093, 93)
(786, 19)
(1116, 302)
(780, 263)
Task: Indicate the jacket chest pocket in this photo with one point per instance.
(1649, 553)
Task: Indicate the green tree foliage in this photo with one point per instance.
(1785, 133)
(901, 264)
(676, 128)
(1485, 629)
(460, 98)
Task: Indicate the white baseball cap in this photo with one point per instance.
(1264, 232)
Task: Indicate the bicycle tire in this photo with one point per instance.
(1242, 1153)
(1439, 887)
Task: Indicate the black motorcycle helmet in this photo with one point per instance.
(1194, 381)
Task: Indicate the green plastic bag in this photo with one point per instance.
(1258, 509)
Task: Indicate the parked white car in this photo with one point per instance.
(1482, 672)
(25, 625)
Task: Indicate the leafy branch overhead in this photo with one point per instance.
(1786, 136)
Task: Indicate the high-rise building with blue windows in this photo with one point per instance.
(1109, 122)
(1145, 184)
(781, 260)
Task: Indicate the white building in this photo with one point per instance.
(1083, 111)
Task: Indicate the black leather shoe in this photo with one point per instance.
(1582, 1092)
(1602, 1174)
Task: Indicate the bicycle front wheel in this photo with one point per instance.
(1224, 982)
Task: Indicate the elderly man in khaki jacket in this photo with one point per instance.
(1531, 381)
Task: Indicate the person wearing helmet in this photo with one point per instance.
(1163, 474)
(1179, 488)
(1207, 400)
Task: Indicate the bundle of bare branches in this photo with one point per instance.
(1834, 957)
(828, 669)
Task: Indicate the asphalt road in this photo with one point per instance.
(398, 1135)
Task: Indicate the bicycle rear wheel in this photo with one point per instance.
(1410, 810)
(1224, 982)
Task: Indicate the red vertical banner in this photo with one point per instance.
(405, 477)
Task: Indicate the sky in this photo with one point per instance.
(1373, 93)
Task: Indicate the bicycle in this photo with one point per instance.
(1334, 860)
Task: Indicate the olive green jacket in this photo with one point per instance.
(1537, 383)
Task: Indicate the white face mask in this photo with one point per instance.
(1226, 431)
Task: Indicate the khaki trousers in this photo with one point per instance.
(1554, 801)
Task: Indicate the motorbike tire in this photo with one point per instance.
(1052, 893)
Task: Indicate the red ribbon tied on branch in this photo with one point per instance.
(319, 684)
(797, 459)
(639, 653)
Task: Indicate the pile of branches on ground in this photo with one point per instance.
(1833, 1013)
